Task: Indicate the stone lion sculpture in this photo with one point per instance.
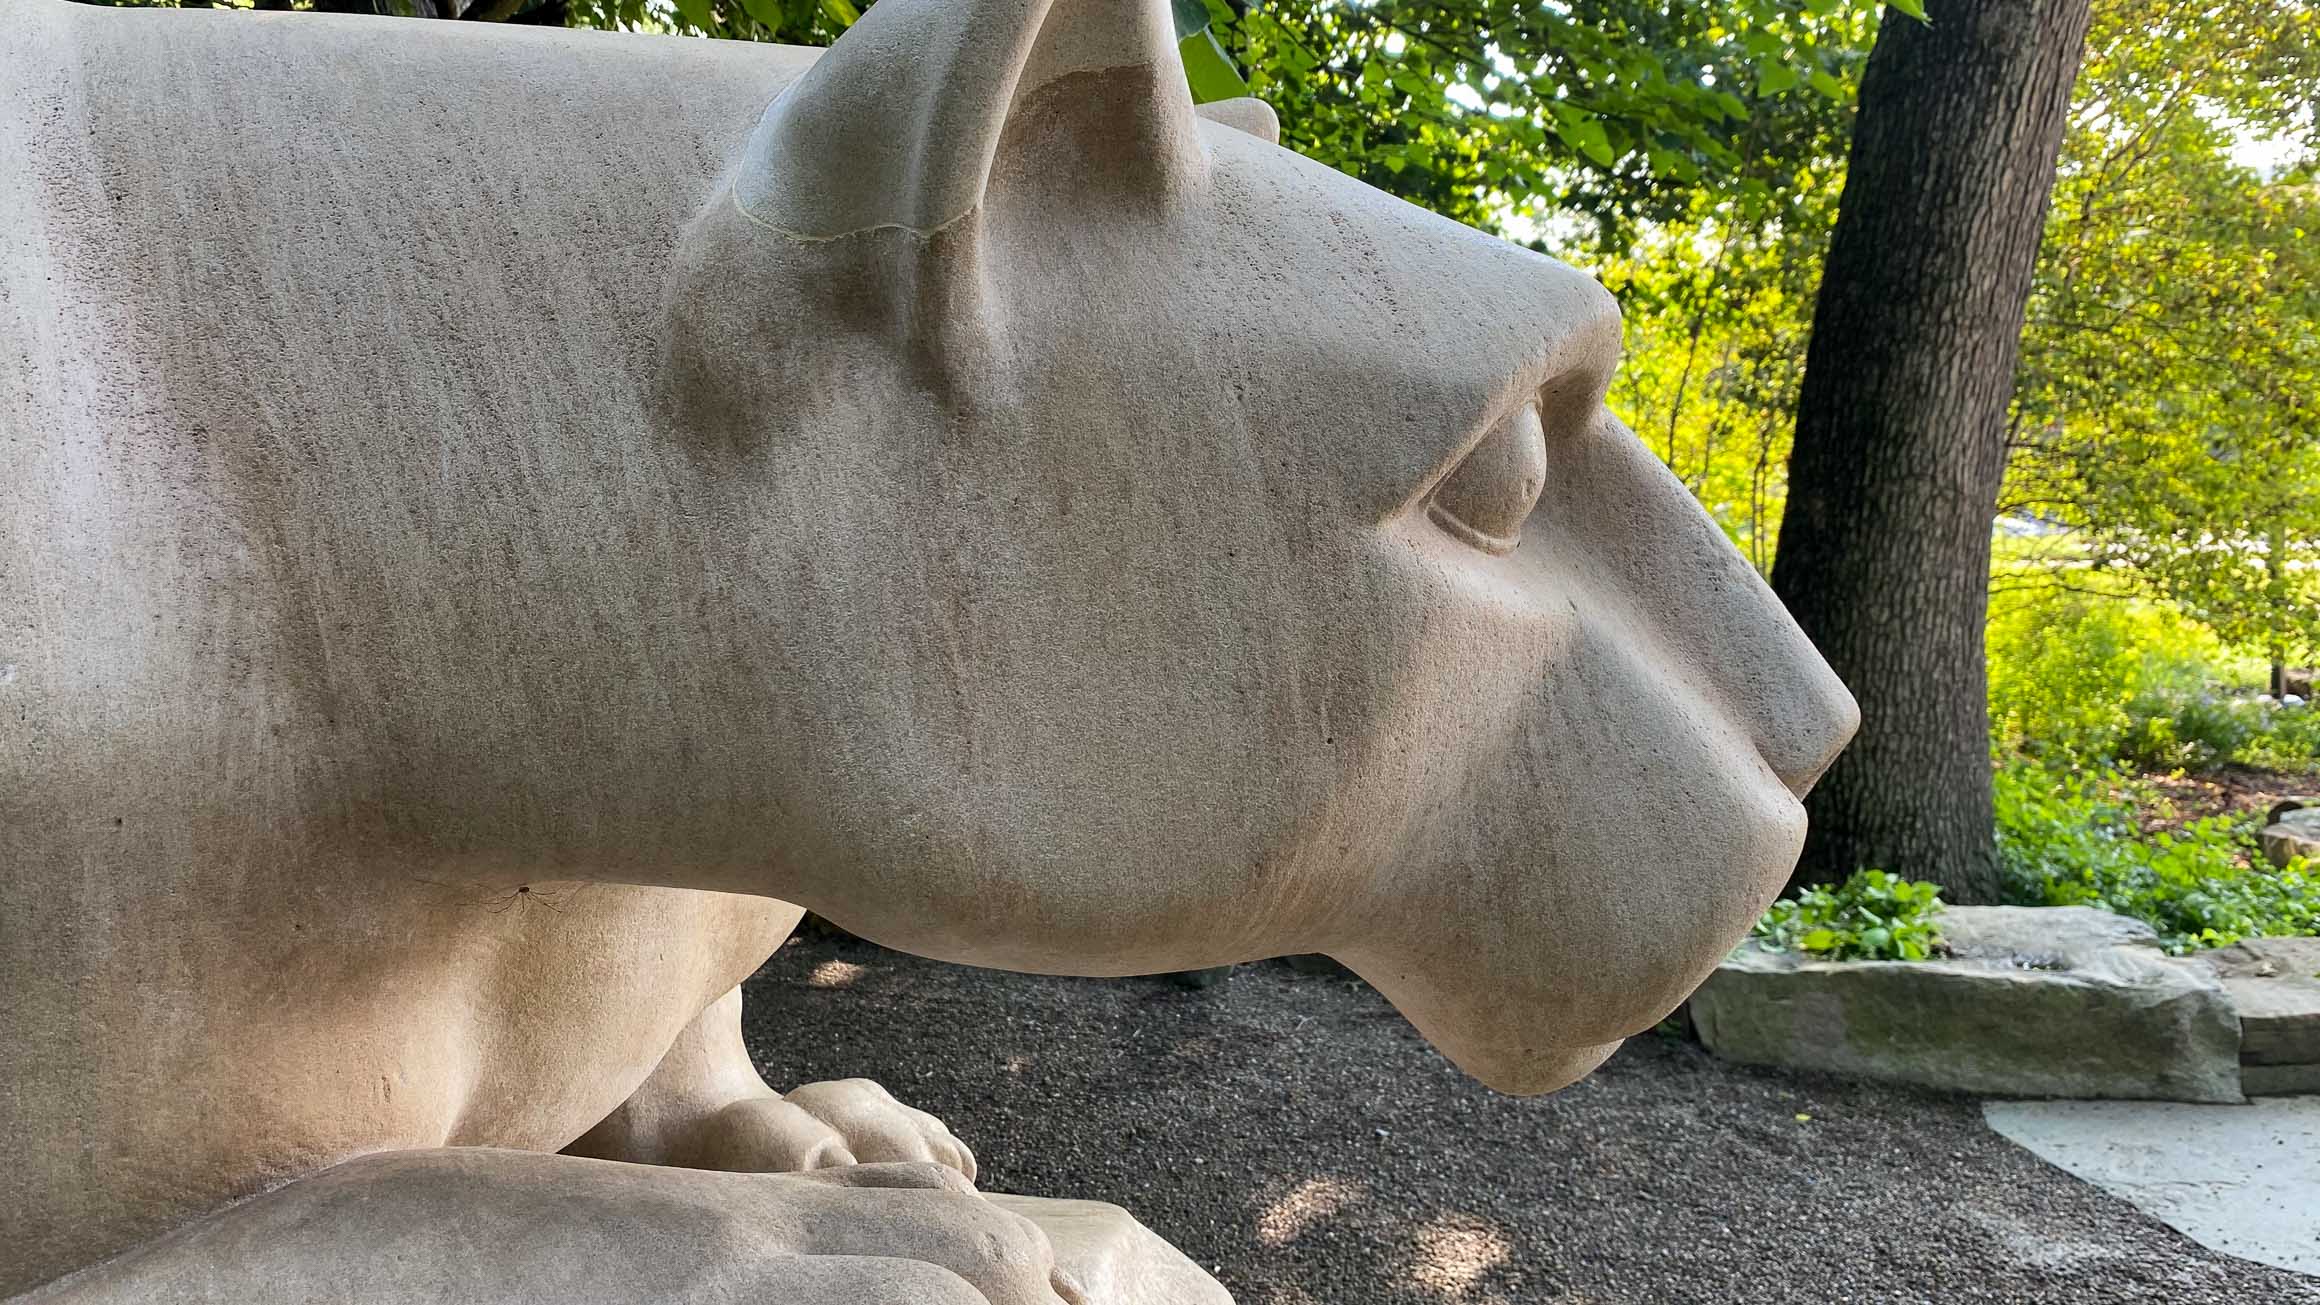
(491, 518)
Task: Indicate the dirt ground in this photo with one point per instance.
(1295, 1136)
(2230, 791)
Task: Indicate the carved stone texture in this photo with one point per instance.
(495, 516)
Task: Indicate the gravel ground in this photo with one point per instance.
(1291, 1133)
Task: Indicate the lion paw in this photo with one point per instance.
(878, 1129)
(822, 1126)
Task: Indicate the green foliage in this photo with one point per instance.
(1717, 316)
(1499, 112)
(1718, 294)
(2072, 840)
(2080, 676)
(2097, 680)
(2168, 413)
(2197, 731)
(1208, 70)
(1872, 916)
(2168, 406)
(2288, 741)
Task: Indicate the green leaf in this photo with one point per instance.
(1209, 70)
(1191, 17)
(1588, 137)
(767, 12)
(1914, 8)
(699, 13)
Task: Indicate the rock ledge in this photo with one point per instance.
(2036, 1001)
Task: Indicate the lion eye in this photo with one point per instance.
(1486, 499)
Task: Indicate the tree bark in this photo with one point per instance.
(1900, 432)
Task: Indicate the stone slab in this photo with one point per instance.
(2039, 937)
(2274, 984)
(2279, 1080)
(2242, 1180)
(2267, 958)
(2062, 1002)
(2279, 1020)
(2293, 831)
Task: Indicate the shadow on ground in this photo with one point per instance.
(1292, 1134)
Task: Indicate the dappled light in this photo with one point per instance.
(1310, 1202)
(1454, 1253)
(835, 974)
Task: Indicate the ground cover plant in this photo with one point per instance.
(1872, 916)
(2075, 840)
(2106, 708)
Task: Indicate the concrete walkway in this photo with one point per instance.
(2243, 1180)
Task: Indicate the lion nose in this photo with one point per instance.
(1760, 665)
(1804, 716)
(1718, 625)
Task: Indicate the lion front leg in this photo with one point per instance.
(502, 1227)
(705, 1107)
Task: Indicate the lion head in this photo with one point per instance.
(1199, 555)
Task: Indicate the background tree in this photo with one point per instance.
(1900, 443)
(1594, 117)
(2168, 418)
(1718, 307)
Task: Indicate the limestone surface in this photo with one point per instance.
(2293, 832)
(2037, 1001)
(2274, 985)
(2244, 1180)
(498, 520)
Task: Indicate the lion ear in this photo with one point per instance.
(901, 124)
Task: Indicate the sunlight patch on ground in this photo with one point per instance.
(2030, 1246)
(1455, 1252)
(835, 974)
(1314, 1200)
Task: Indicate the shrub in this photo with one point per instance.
(2087, 677)
(2068, 840)
(2099, 680)
(2196, 731)
(2289, 741)
(1871, 916)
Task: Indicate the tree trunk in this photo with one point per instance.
(2276, 589)
(1900, 430)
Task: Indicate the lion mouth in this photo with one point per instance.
(1531, 978)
